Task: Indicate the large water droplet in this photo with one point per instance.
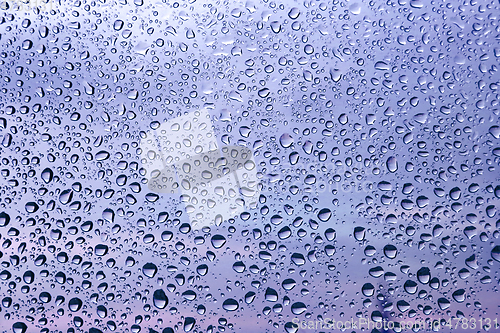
(392, 164)
(218, 241)
(286, 140)
(359, 233)
(160, 300)
(149, 270)
(230, 305)
(75, 304)
(495, 253)
(19, 327)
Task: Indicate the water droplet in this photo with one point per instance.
(286, 140)
(230, 304)
(160, 300)
(410, 287)
(459, 295)
(218, 241)
(359, 233)
(101, 250)
(495, 253)
(392, 164)
(149, 270)
(298, 308)
(324, 214)
(390, 251)
(19, 327)
(355, 8)
(75, 304)
(294, 13)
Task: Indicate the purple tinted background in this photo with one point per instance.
(357, 85)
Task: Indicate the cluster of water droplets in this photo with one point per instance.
(374, 129)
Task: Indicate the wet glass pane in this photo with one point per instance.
(249, 166)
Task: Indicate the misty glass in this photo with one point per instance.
(249, 166)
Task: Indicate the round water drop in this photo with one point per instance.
(459, 295)
(102, 155)
(109, 215)
(32, 207)
(470, 232)
(410, 287)
(392, 164)
(324, 214)
(291, 327)
(75, 304)
(60, 278)
(230, 304)
(276, 219)
(45, 297)
(294, 13)
(385, 186)
(189, 323)
(4, 219)
(298, 259)
(189, 295)
(424, 275)
(66, 196)
(118, 25)
(288, 284)
(495, 253)
(249, 297)
(149, 270)
(286, 140)
(403, 306)
(330, 234)
(160, 300)
(380, 65)
(390, 251)
(206, 174)
(29, 277)
(271, 295)
(355, 8)
(495, 131)
(218, 241)
(434, 283)
(19, 327)
(47, 175)
(376, 271)
(359, 233)
(422, 201)
(102, 312)
(7, 302)
(239, 267)
(310, 180)
(298, 308)
(368, 289)
(202, 270)
(167, 235)
(443, 303)
(455, 193)
(101, 250)
(284, 233)
(370, 251)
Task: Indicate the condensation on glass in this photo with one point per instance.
(249, 166)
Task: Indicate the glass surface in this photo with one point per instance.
(249, 166)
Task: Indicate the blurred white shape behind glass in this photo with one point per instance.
(182, 157)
